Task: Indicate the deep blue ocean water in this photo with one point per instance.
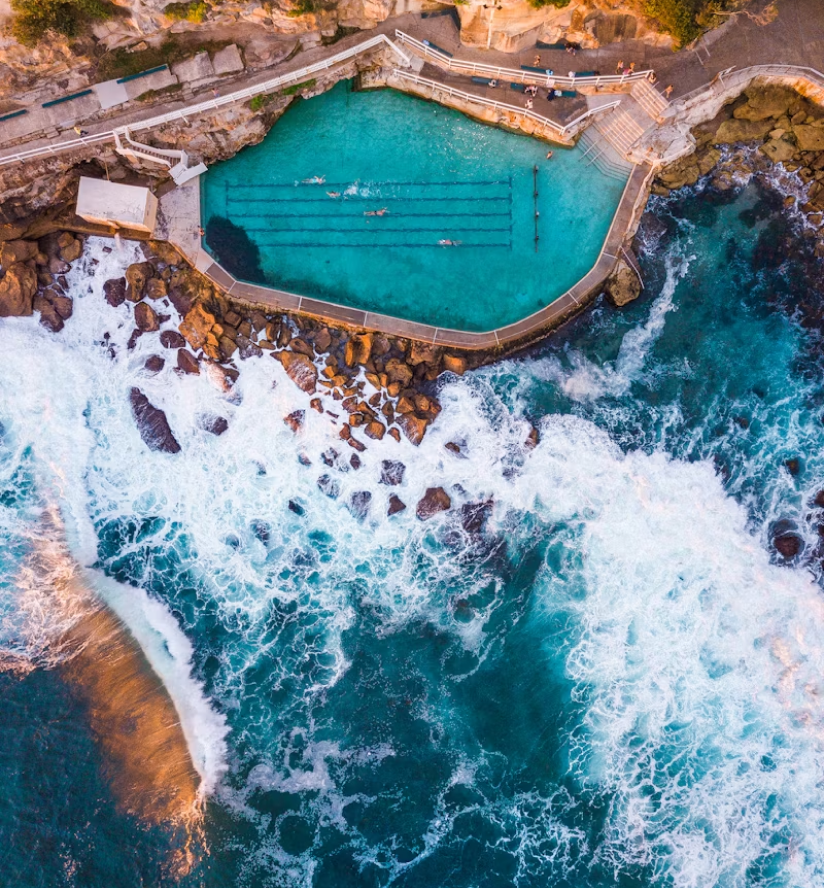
(608, 679)
(440, 176)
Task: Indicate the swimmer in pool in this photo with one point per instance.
(381, 212)
(315, 180)
(333, 193)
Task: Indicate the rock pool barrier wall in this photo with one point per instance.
(624, 223)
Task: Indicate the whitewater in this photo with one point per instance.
(613, 680)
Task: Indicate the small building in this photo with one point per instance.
(122, 206)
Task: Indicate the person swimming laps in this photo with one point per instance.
(445, 242)
(314, 180)
(381, 212)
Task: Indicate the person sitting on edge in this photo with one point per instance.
(537, 62)
(619, 67)
(529, 104)
(668, 91)
(493, 82)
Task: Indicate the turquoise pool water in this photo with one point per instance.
(441, 177)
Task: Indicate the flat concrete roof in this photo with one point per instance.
(125, 204)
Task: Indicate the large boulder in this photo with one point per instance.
(17, 289)
(435, 500)
(152, 423)
(735, 130)
(778, 150)
(810, 138)
(146, 318)
(17, 251)
(137, 275)
(71, 248)
(115, 291)
(414, 427)
(300, 370)
(765, 102)
(623, 285)
(172, 339)
(196, 327)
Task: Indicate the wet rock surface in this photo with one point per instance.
(152, 423)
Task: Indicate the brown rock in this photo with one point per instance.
(232, 318)
(154, 363)
(227, 347)
(452, 447)
(156, 289)
(765, 102)
(58, 266)
(356, 419)
(810, 138)
(71, 248)
(216, 425)
(423, 353)
(295, 420)
(187, 362)
(778, 150)
(788, 545)
(394, 433)
(358, 349)
(323, 339)
(375, 430)
(17, 289)
(146, 318)
(393, 389)
(414, 427)
(115, 291)
(396, 504)
(405, 405)
(300, 370)
(741, 131)
(398, 371)
(622, 286)
(435, 500)
(137, 275)
(532, 439)
(196, 325)
(172, 339)
(18, 251)
(49, 318)
(302, 347)
(152, 423)
(454, 364)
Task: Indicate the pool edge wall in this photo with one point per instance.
(510, 337)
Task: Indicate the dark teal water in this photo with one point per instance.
(595, 671)
(440, 177)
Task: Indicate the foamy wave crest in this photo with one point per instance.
(586, 381)
(697, 668)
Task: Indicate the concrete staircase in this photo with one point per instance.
(649, 99)
(599, 153)
(620, 130)
(180, 171)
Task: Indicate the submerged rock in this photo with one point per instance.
(152, 423)
(392, 472)
(396, 504)
(154, 363)
(359, 504)
(295, 420)
(215, 425)
(435, 500)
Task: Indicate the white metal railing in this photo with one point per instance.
(518, 75)
(742, 77)
(212, 104)
(547, 122)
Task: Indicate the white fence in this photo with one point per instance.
(214, 104)
(562, 131)
(741, 79)
(444, 60)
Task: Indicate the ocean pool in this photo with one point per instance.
(294, 211)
